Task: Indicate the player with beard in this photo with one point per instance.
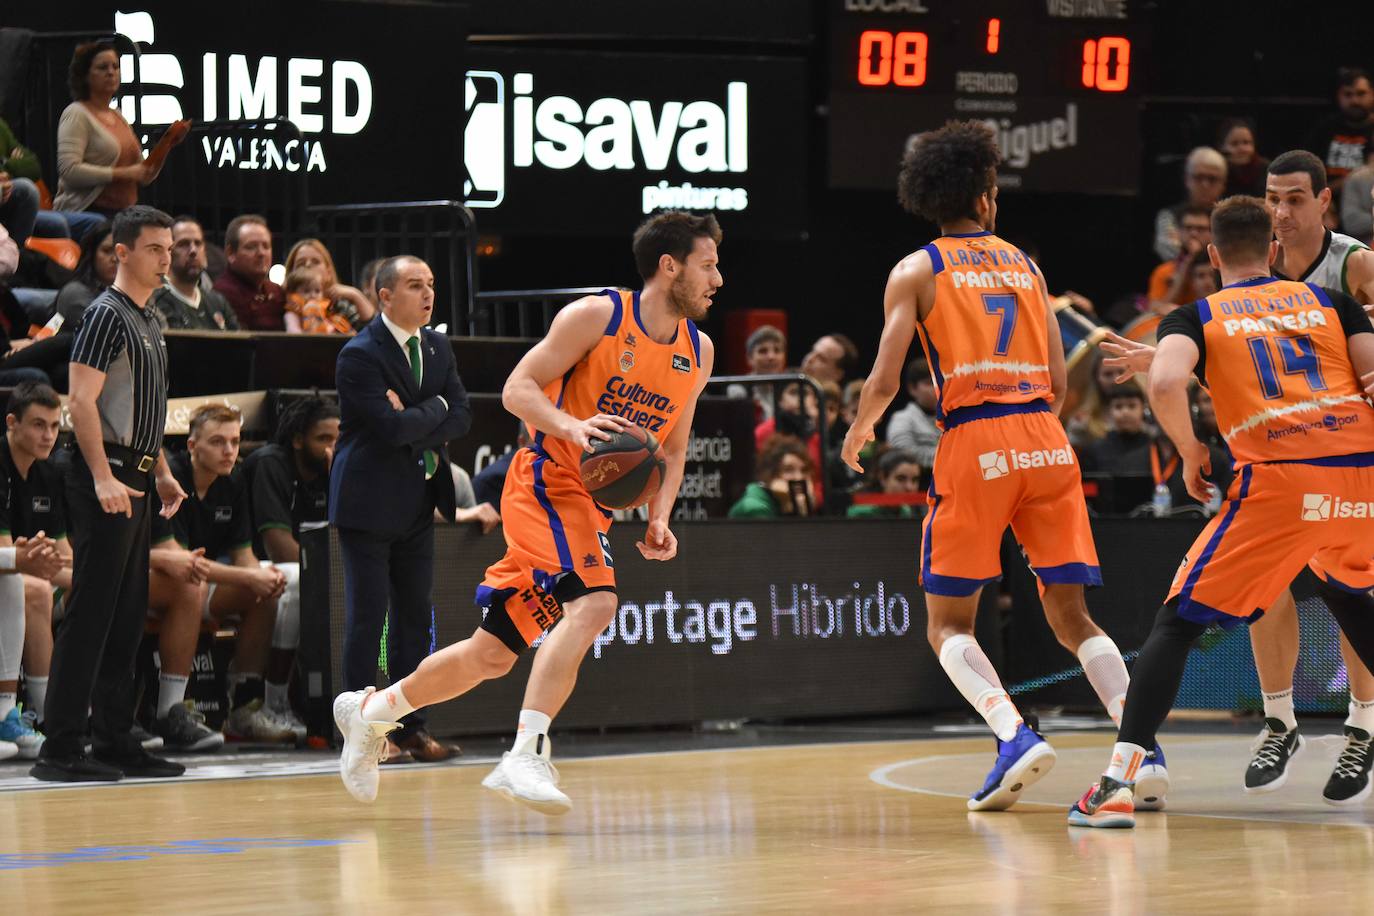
(606, 358)
(994, 349)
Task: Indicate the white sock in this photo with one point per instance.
(387, 705)
(1126, 761)
(1280, 706)
(970, 670)
(1101, 661)
(531, 725)
(276, 696)
(37, 688)
(1361, 714)
(171, 690)
(286, 632)
(11, 627)
(7, 702)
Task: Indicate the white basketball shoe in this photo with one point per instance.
(529, 778)
(364, 744)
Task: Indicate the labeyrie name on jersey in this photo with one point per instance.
(1254, 315)
(983, 272)
(635, 403)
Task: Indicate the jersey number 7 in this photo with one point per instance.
(1298, 356)
(1004, 307)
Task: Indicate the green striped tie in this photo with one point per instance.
(413, 345)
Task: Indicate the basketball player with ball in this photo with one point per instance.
(608, 396)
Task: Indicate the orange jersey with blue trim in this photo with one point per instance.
(985, 337)
(1277, 362)
(627, 374)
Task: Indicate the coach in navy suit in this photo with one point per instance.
(400, 400)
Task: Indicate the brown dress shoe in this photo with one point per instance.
(423, 746)
(395, 755)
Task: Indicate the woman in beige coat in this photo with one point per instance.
(100, 163)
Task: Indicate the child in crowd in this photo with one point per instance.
(305, 297)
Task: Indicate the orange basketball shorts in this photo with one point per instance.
(1000, 465)
(556, 550)
(1279, 517)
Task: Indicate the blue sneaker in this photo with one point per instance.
(18, 730)
(1020, 762)
(1152, 781)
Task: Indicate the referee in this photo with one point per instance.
(118, 408)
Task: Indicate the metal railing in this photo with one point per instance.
(440, 231)
(526, 312)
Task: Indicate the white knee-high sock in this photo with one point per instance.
(37, 689)
(286, 634)
(968, 667)
(1101, 661)
(11, 635)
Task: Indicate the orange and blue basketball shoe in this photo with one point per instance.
(1021, 762)
(1108, 803)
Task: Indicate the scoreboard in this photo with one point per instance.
(1058, 80)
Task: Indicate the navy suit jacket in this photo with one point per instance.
(377, 481)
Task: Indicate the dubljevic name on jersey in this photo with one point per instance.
(1253, 315)
(635, 403)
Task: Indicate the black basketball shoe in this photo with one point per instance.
(1275, 747)
(1349, 782)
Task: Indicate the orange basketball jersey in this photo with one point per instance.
(985, 337)
(1278, 366)
(627, 374)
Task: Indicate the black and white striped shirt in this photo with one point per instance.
(125, 342)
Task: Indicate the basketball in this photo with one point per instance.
(624, 471)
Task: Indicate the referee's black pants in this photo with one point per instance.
(382, 571)
(97, 641)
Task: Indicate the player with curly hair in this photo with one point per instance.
(992, 342)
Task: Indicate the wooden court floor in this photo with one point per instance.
(864, 828)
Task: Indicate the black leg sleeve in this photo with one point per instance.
(1156, 676)
(1355, 616)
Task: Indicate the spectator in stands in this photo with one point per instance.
(367, 282)
(1125, 449)
(259, 303)
(184, 300)
(832, 358)
(288, 481)
(487, 485)
(100, 164)
(912, 429)
(783, 485)
(94, 274)
(305, 298)
(31, 510)
(469, 510)
(344, 300)
(20, 165)
(1344, 140)
(1245, 167)
(1090, 421)
(1204, 178)
(1170, 283)
(899, 472)
(1203, 276)
(216, 517)
(849, 400)
(1356, 197)
(14, 322)
(766, 351)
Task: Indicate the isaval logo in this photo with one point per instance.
(559, 132)
(993, 464)
(1322, 507)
